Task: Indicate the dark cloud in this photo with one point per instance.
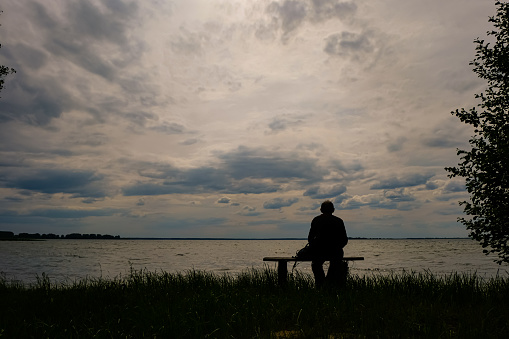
(249, 211)
(398, 195)
(188, 43)
(279, 124)
(322, 10)
(349, 44)
(188, 142)
(32, 101)
(314, 206)
(14, 199)
(149, 189)
(454, 187)
(318, 192)
(74, 214)
(408, 180)
(247, 186)
(28, 56)
(97, 27)
(169, 128)
(441, 142)
(102, 22)
(339, 199)
(190, 187)
(278, 203)
(397, 144)
(348, 171)
(79, 183)
(83, 38)
(430, 185)
(242, 171)
(224, 200)
(291, 14)
(257, 163)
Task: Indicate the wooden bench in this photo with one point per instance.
(282, 268)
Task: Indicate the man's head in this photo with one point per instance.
(327, 207)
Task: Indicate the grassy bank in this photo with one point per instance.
(198, 305)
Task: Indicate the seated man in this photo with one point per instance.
(327, 237)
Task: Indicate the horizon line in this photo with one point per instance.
(351, 238)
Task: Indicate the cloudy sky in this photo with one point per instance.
(202, 118)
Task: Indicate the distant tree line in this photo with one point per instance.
(20, 236)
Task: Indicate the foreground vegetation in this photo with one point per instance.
(199, 304)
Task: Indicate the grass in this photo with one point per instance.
(197, 304)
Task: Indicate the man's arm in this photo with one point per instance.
(343, 236)
(312, 232)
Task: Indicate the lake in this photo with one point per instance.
(68, 260)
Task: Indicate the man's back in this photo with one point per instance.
(327, 234)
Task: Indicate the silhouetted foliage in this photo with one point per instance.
(485, 166)
(4, 71)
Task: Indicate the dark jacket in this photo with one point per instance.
(327, 235)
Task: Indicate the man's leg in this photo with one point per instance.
(317, 268)
(338, 270)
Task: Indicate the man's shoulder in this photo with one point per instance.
(337, 218)
(323, 217)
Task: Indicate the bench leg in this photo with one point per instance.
(282, 272)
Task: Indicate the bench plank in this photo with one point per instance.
(299, 259)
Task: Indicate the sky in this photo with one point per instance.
(205, 118)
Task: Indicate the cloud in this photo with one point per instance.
(189, 43)
(189, 142)
(406, 180)
(169, 128)
(397, 145)
(455, 186)
(31, 101)
(224, 200)
(99, 27)
(398, 195)
(249, 211)
(88, 41)
(257, 163)
(278, 203)
(79, 183)
(241, 171)
(279, 124)
(63, 213)
(73, 214)
(217, 103)
(349, 44)
(291, 14)
(312, 207)
(323, 10)
(325, 192)
(371, 201)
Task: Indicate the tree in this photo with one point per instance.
(4, 71)
(485, 166)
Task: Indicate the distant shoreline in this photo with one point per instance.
(221, 239)
(10, 236)
(355, 238)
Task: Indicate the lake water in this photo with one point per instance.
(69, 260)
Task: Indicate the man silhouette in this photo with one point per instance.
(327, 237)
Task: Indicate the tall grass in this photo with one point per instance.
(197, 304)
